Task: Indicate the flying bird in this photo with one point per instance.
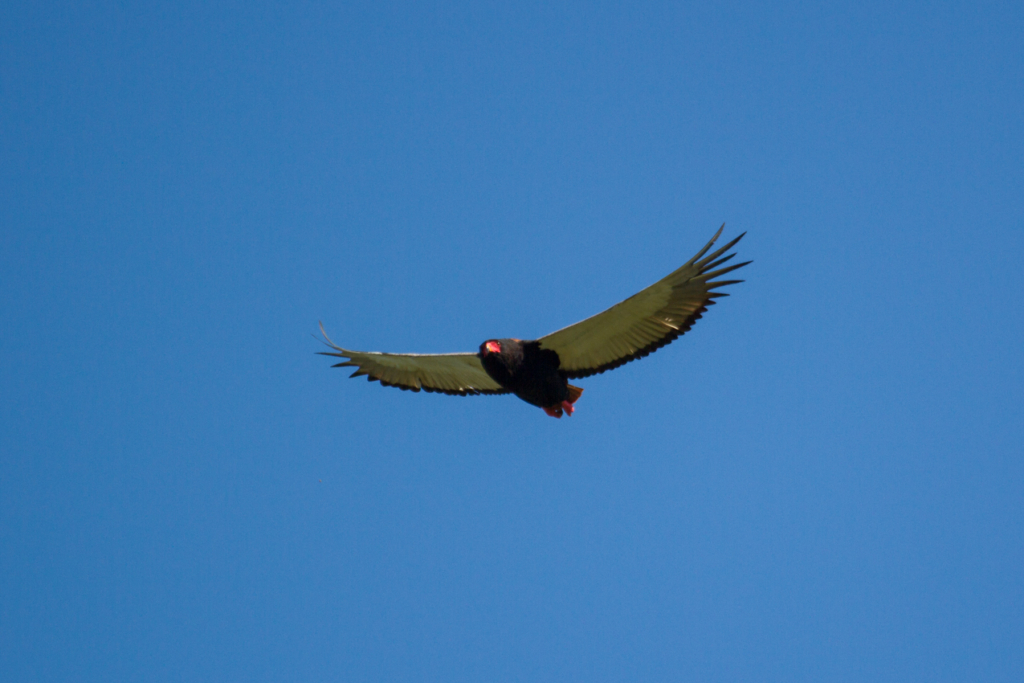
(538, 371)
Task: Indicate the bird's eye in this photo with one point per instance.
(493, 347)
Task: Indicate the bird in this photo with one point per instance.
(538, 371)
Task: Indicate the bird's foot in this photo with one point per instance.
(553, 411)
(568, 408)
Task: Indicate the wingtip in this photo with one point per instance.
(329, 341)
(711, 243)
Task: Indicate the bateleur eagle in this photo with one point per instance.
(538, 371)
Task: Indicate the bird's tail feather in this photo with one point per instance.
(574, 393)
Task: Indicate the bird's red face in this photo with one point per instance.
(492, 347)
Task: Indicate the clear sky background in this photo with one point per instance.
(822, 481)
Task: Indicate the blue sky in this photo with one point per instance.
(821, 481)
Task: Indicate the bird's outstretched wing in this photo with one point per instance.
(460, 374)
(646, 321)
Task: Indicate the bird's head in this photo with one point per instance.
(490, 347)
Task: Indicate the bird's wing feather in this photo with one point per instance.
(646, 321)
(459, 374)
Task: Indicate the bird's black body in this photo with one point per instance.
(527, 370)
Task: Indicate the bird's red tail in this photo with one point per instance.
(566, 406)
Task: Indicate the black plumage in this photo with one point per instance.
(527, 370)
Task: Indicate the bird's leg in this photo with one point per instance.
(554, 411)
(568, 407)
